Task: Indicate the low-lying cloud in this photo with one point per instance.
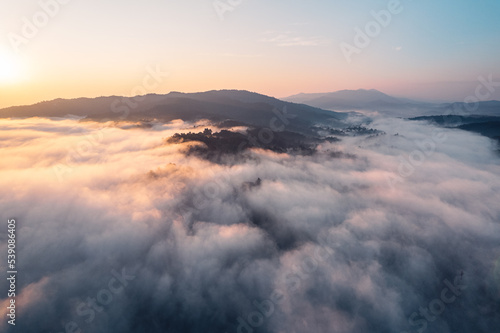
(130, 234)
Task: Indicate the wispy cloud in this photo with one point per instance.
(285, 39)
(232, 55)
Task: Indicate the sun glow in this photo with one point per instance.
(10, 67)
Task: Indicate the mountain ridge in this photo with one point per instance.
(377, 101)
(217, 105)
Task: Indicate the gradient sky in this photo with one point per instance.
(431, 50)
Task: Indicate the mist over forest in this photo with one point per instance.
(317, 222)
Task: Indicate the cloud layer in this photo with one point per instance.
(120, 231)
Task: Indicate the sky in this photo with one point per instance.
(66, 49)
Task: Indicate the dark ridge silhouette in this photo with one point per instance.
(219, 106)
(485, 125)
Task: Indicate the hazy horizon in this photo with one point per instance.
(417, 99)
(422, 50)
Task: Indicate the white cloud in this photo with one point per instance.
(290, 39)
(204, 247)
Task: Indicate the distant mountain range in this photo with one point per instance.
(307, 114)
(239, 107)
(376, 101)
(271, 123)
(483, 118)
(245, 106)
(349, 99)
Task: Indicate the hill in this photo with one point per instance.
(238, 106)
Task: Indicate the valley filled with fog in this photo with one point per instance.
(299, 220)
